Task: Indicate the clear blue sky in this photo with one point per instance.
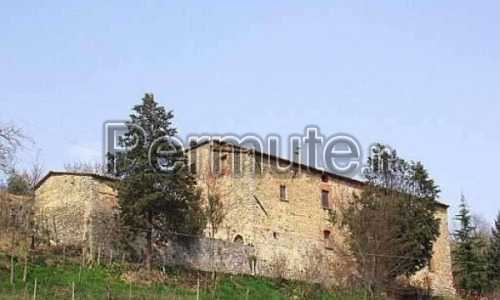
(422, 76)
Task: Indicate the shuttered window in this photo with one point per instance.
(325, 199)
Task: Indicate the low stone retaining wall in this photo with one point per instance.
(207, 254)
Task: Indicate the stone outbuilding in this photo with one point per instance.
(78, 209)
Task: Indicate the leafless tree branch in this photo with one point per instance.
(12, 139)
(84, 167)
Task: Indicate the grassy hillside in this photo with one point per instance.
(55, 278)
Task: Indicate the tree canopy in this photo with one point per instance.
(157, 192)
(493, 255)
(468, 254)
(18, 184)
(392, 223)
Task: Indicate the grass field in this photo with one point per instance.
(61, 279)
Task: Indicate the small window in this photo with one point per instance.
(223, 162)
(238, 240)
(193, 168)
(275, 235)
(324, 178)
(283, 193)
(325, 199)
(328, 241)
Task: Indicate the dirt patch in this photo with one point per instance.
(144, 277)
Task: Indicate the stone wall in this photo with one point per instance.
(209, 254)
(294, 232)
(288, 234)
(103, 217)
(77, 209)
(62, 207)
(206, 254)
(440, 271)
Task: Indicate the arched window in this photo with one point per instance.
(328, 241)
(238, 240)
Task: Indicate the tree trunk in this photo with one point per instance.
(149, 242)
(149, 249)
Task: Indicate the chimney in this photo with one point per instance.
(297, 155)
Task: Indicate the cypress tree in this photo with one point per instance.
(468, 256)
(157, 192)
(494, 255)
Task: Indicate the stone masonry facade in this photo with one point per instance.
(276, 222)
(284, 216)
(78, 209)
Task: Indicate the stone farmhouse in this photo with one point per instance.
(275, 220)
(77, 209)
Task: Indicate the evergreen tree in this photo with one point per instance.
(392, 224)
(468, 255)
(18, 185)
(157, 192)
(493, 255)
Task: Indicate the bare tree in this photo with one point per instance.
(3, 186)
(482, 228)
(11, 140)
(25, 181)
(217, 206)
(34, 174)
(84, 167)
(215, 210)
(373, 240)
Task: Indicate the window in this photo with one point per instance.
(193, 168)
(283, 193)
(223, 162)
(238, 240)
(324, 178)
(325, 199)
(328, 242)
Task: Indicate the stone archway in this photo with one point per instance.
(238, 240)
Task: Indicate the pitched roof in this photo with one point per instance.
(343, 178)
(346, 179)
(60, 173)
(349, 180)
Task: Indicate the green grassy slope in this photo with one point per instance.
(55, 279)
